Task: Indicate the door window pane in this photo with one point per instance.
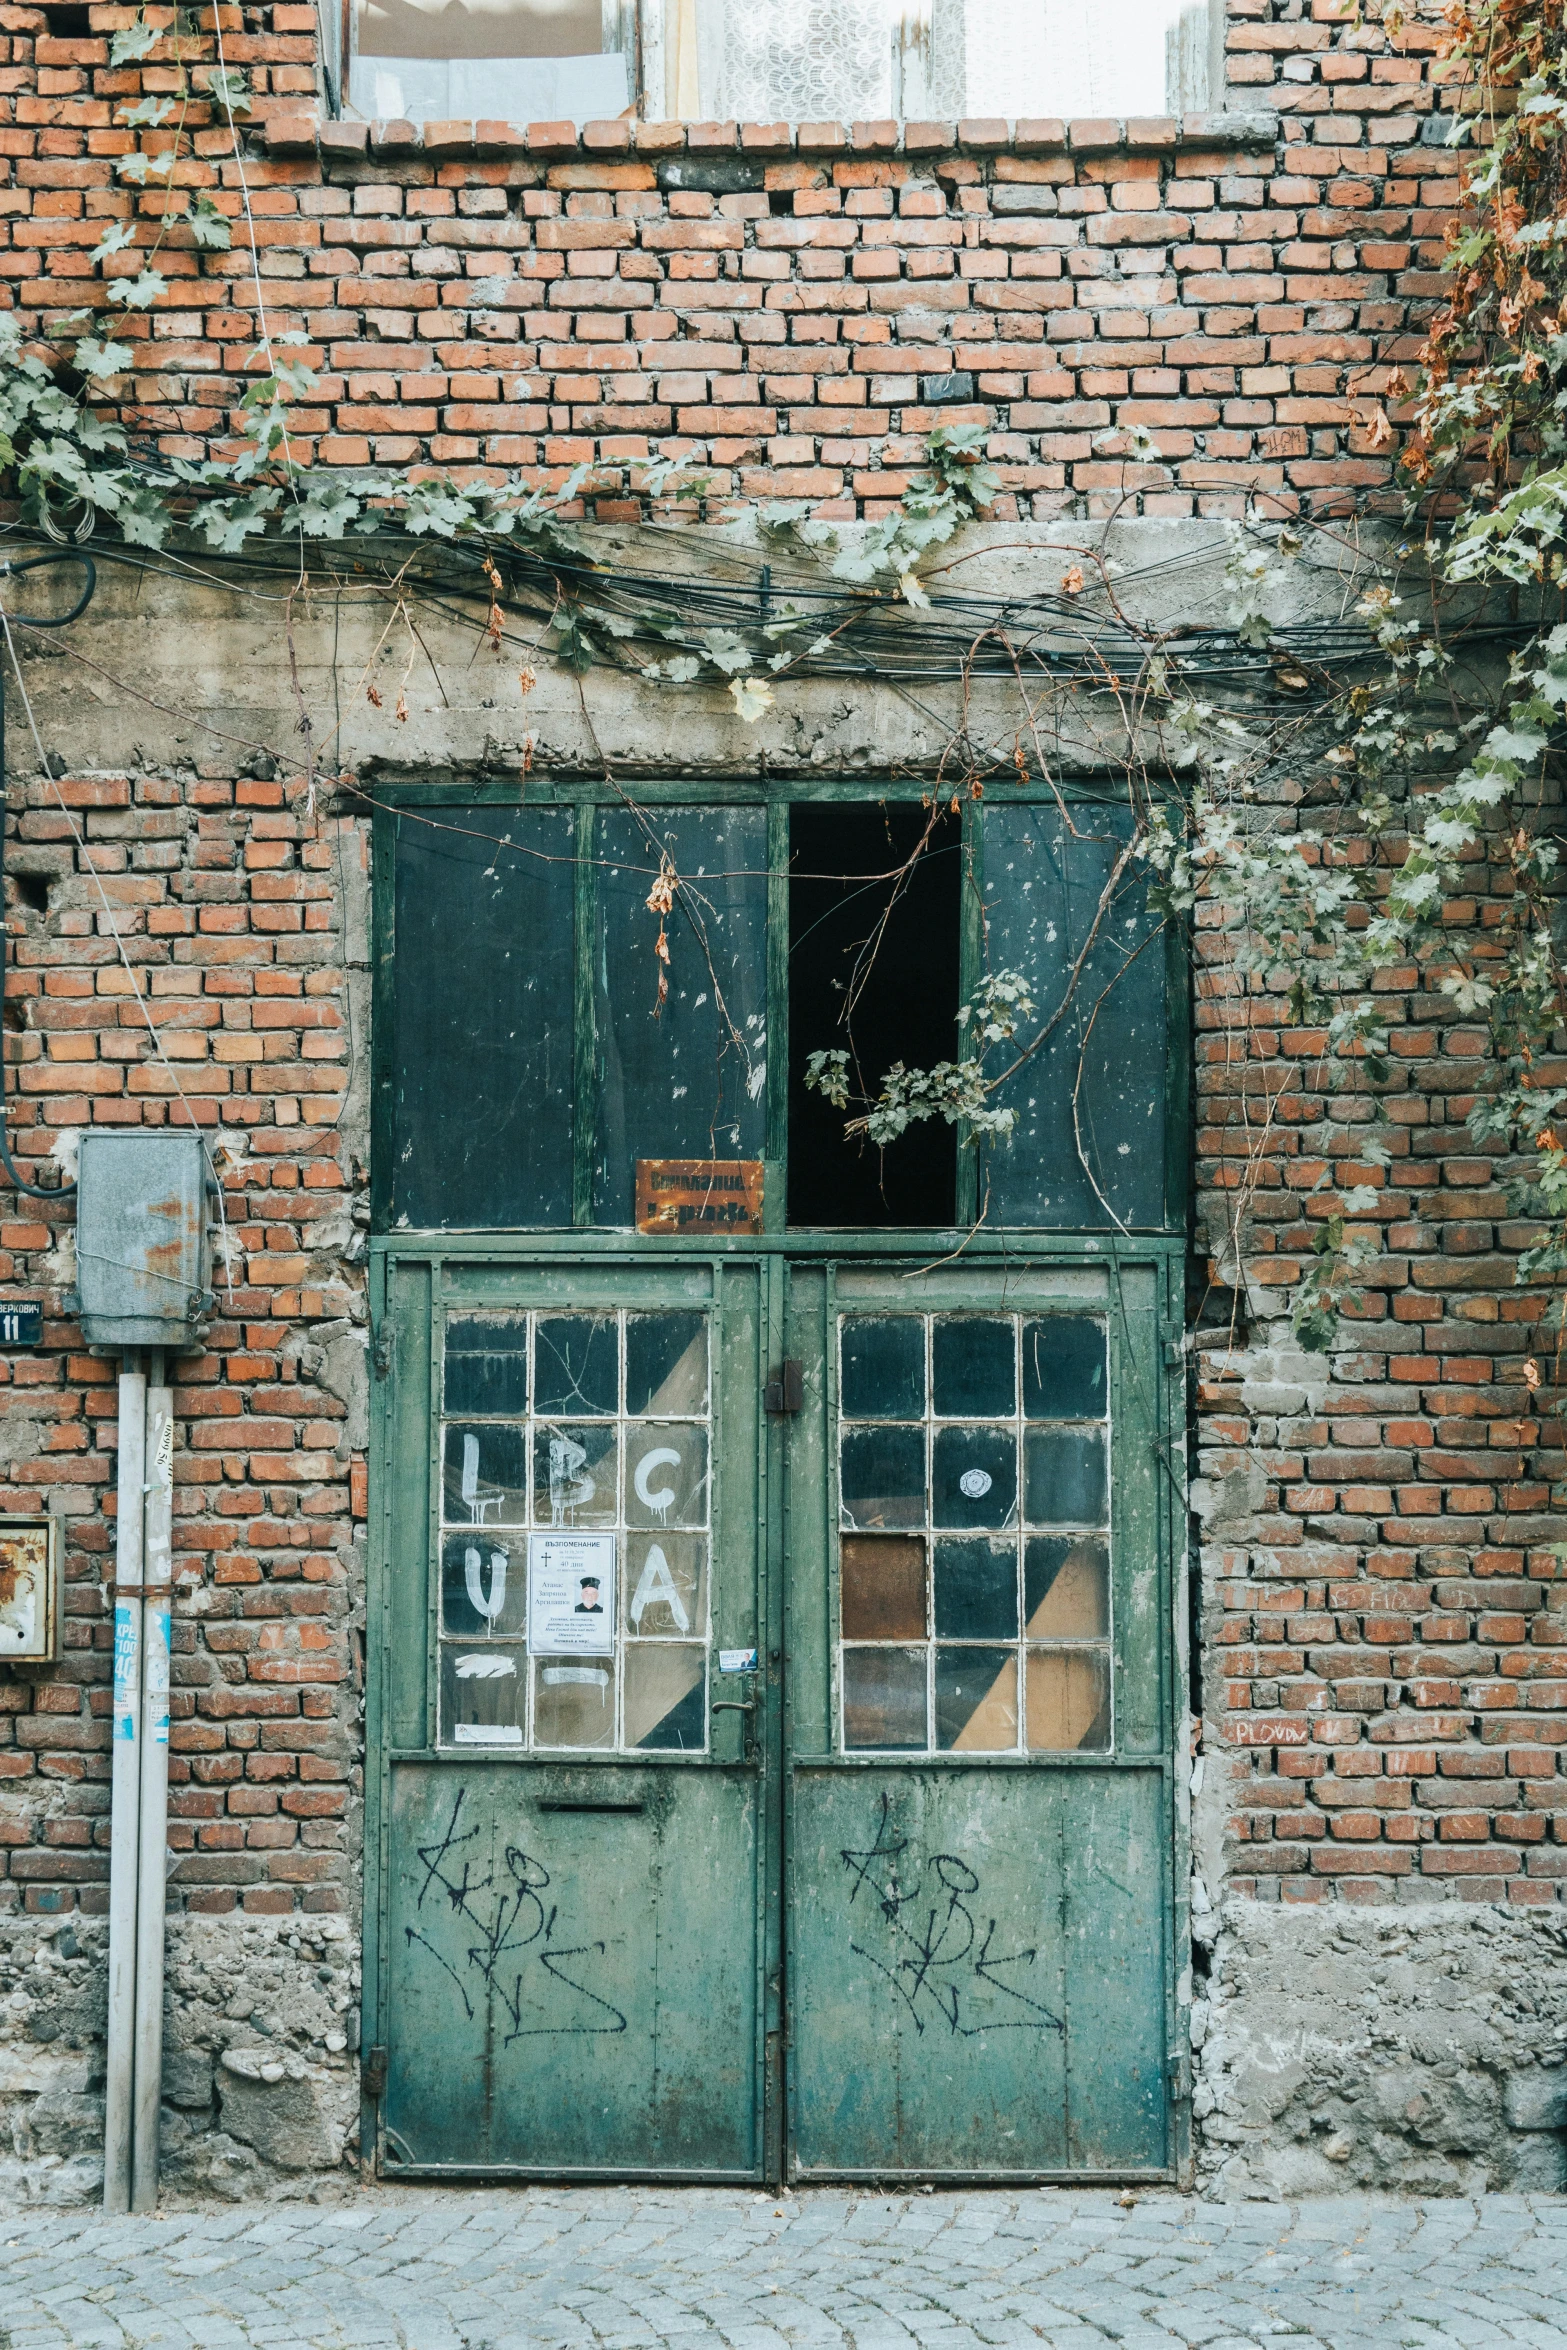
(616, 1614)
(882, 1367)
(883, 1477)
(683, 1042)
(973, 1368)
(481, 1074)
(976, 1700)
(1065, 1476)
(884, 1698)
(976, 1590)
(576, 1363)
(882, 1587)
(941, 1589)
(1068, 1700)
(484, 1586)
(974, 1477)
(1066, 1587)
(487, 1363)
(1064, 1372)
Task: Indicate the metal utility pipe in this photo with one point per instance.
(124, 1817)
(152, 1862)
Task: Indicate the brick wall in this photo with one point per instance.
(793, 312)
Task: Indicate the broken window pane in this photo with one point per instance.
(576, 1363)
(666, 1474)
(976, 1700)
(685, 1076)
(884, 1697)
(487, 1363)
(481, 1073)
(883, 1367)
(882, 1587)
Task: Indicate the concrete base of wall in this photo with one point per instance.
(260, 2071)
(1422, 2048)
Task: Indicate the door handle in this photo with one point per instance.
(739, 1705)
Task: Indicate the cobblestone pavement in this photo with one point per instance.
(637, 2269)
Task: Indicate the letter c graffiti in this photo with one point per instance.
(660, 1500)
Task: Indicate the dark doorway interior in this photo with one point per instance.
(873, 968)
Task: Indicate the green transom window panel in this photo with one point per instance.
(974, 1534)
(575, 1482)
(568, 991)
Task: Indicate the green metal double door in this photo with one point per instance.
(770, 1707)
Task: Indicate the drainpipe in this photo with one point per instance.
(152, 1868)
(126, 1790)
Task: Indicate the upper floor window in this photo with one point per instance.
(783, 61)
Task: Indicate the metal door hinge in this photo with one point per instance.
(1174, 1351)
(1180, 2078)
(785, 1390)
(381, 1353)
(372, 2073)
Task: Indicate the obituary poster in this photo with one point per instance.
(571, 1594)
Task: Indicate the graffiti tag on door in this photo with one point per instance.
(938, 1959)
(511, 1921)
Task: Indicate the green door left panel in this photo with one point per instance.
(571, 1972)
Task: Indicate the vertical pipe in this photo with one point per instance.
(152, 1869)
(126, 1791)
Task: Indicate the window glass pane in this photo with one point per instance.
(882, 1587)
(976, 1700)
(484, 1586)
(1042, 894)
(573, 1704)
(1064, 1369)
(666, 1474)
(481, 1047)
(484, 1477)
(666, 1363)
(666, 1696)
(882, 1367)
(576, 1363)
(1068, 1700)
(685, 1077)
(973, 1368)
(974, 1477)
(976, 1590)
(484, 1693)
(884, 1697)
(574, 1475)
(507, 59)
(1065, 1473)
(882, 1481)
(1066, 1588)
(487, 1363)
(666, 1584)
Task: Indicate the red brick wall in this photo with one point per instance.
(477, 296)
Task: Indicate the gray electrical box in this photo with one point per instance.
(141, 1240)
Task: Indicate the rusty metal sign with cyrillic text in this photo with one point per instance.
(699, 1195)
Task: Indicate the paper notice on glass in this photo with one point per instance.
(571, 1594)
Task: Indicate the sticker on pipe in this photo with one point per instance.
(571, 1594)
